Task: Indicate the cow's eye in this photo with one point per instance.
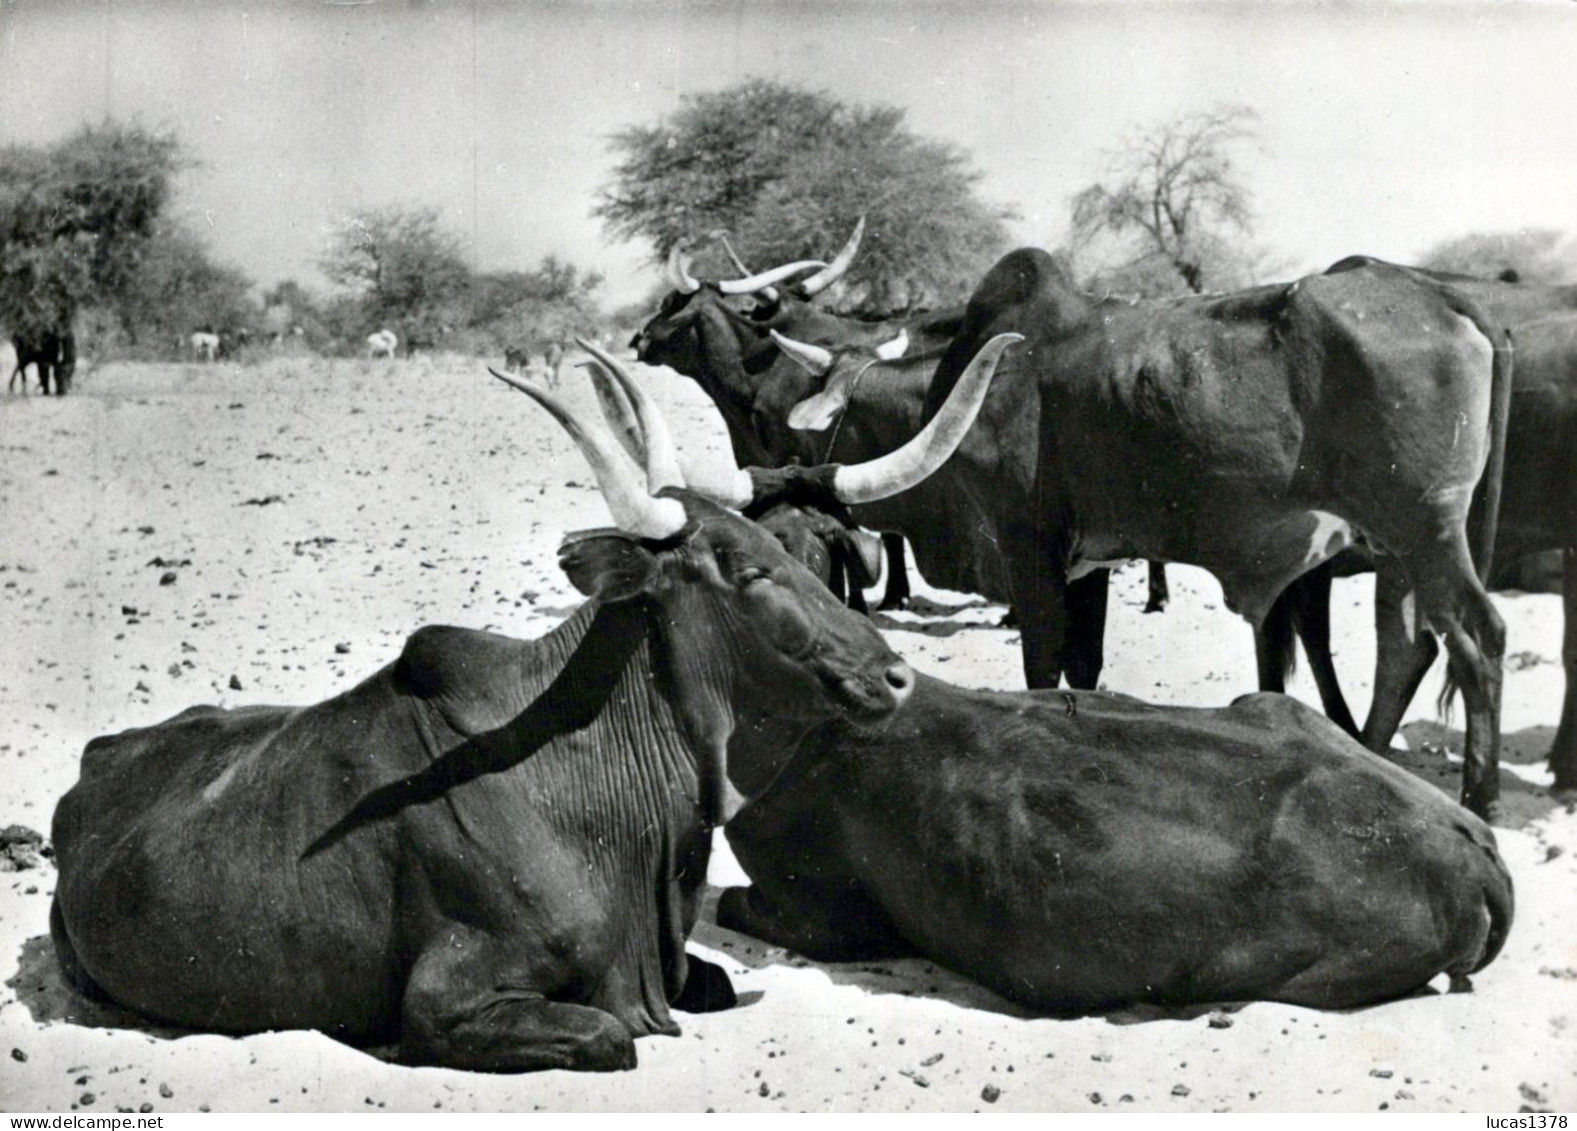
(750, 575)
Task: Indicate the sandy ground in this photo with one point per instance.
(181, 534)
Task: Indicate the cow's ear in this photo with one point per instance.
(864, 555)
(608, 564)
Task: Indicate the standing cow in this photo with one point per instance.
(204, 345)
(52, 353)
(491, 849)
(1538, 511)
(1255, 434)
(382, 343)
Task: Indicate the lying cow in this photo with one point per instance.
(492, 848)
(1081, 850)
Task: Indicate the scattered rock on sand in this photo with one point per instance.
(21, 848)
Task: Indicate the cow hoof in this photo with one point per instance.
(706, 989)
(1460, 984)
(894, 604)
(1155, 606)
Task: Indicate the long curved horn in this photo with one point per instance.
(721, 236)
(678, 270)
(662, 459)
(619, 413)
(732, 488)
(820, 281)
(633, 510)
(894, 348)
(814, 358)
(760, 282)
(930, 449)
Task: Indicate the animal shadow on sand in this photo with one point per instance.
(1433, 755)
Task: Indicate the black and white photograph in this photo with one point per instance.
(788, 556)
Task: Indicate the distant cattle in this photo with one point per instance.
(492, 849)
(53, 355)
(382, 343)
(521, 359)
(204, 345)
(233, 344)
(425, 339)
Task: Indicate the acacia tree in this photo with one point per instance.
(405, 268)
(787, 172)
(1531, 255)
(1175, 214)
(76, 219)
(555, 301)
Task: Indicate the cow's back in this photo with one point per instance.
(181, 889)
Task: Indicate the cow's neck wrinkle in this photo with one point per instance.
(589, 681)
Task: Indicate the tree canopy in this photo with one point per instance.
(1174, 215)
(1534, 255)
(407, 269)
(787, 172)
(76, 218)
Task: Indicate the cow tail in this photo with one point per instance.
(1484, 514)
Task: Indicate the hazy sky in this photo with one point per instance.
(1386, 127)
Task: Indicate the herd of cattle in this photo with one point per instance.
(492, 850)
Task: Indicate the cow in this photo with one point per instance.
(733, 355)
(1255, 434)
(1082, 851)
(52, 353)
(382, 343)
(1538, 511)
(204, 345)
(490, 850)
(518, 359)
(234, 344)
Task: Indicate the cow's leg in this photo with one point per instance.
(896, 595)
(825, 922)
(707, 988)
(1309, 605)
(856, 595)
(1042, 610)
(1160, 594)
(1563, 754)
(1273, 645)
(1085, 650)
(460, 1011)
(1404, 649)
(1455, 604)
